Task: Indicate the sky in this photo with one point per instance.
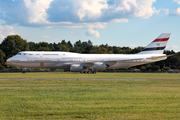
(129, 23)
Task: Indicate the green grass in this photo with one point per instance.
(89, 99)
(63, 75)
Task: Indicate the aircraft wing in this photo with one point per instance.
(107, 63)
(154, 58)
(91, 64)
(130, 60)
(111, 63)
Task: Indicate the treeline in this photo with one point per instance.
(13, 44)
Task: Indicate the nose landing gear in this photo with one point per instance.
(23, 70)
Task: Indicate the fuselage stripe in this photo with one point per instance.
(154, 48)
(161, 39)
(51, 61)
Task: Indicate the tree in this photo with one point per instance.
(143, 68)
(70, 46)
(63, 42)
(32, 46)
(94, 50)
(136, 50)
(2, 67)
(174, 61)
(155, 67)
(78, 44)
(78, 47)
(166, 68)
(2, 57)
(61, 47)
(13, 44)
(43, 46)
(51, 47)
(86, 46)
(116, 50)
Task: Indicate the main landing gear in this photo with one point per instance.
(23, 70)
(88, 72)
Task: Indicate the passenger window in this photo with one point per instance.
(19, 53)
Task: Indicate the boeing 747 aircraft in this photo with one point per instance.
(90, 63)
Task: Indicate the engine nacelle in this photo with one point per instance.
(99, 66)
(76, 68)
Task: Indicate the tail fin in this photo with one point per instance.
(158, 45)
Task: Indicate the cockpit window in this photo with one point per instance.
(19, 53)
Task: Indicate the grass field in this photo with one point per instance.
(89, 99)
(64, 75)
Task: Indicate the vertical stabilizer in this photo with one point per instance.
(158, 45)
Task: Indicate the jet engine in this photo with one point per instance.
(99, 66)
(76, 68)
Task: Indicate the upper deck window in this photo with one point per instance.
(19, 53)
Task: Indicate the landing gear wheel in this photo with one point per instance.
(93, 72)
(23, 70)
(88, 72)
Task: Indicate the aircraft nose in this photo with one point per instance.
(8, 60)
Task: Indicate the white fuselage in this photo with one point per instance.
(90, 63)
(62, 60)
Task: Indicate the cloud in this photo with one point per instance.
(95, 25)
(178, 1)
(133, 45)
(173, 47)
(37, 10)
(73, 33)
(74, 13)
(5, 31)
(157, 12)
(119, 20)
(166, 11)
(46, 36)
(177, 11)
(144, 9)
(85, 11)
(93, 33)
